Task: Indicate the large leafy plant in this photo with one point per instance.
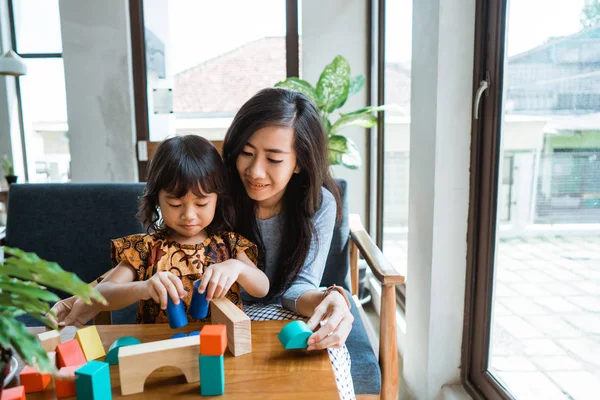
(334, 87)
(23, 281)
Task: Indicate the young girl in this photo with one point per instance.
(186, 210)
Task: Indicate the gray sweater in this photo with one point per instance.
(311, 273)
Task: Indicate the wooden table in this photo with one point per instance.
(269, 372)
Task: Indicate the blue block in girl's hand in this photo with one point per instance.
(199, 305)
(176, 314)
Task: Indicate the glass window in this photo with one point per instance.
(43, 100)
(196, 83)
(398, 39)
(37, 25)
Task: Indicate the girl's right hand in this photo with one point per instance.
(161, 285)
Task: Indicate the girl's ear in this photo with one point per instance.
(297, 170)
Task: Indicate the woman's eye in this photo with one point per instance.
(275, 161)
(174, 205)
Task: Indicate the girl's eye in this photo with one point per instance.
(174, 205)
(245, 153)
(202, 205)
(274, 161)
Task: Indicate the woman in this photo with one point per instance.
(286, 202)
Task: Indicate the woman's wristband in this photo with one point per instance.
(340, 290)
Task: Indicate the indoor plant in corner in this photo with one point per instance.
(9, 171)
(334, 87)
(23, 281)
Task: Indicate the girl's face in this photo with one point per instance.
(187, 216)
(266, 165)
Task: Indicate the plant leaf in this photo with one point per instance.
(365, 120)
(23, 288)
(14, 333)
(326, 125)
(333, 85)
(371, 109)
(343, 151)
(301, 86)
(356, 83)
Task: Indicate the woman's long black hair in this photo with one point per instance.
(303, 197)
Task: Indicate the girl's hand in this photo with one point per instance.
(72, 311)
(335, 321)
(218, 278)
(161, 285)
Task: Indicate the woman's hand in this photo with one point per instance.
(162, 285)
(218, 278)
(72, 311)
(335, 321)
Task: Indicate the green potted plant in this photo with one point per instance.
(9, 171)
(24, 278)
(334, 87)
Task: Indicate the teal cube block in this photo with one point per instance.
(92, 381)
(212, 375)
(295, 335)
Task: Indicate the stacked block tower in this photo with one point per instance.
(213, 342)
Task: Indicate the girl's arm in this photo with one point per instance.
(120, 289)
(218, 278)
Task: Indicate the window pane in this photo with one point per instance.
(398, 36)
(210, 79)
(37, 23)
(45, 120)
(546, 303)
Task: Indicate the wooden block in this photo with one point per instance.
(213, 340)
(113, 352)
(49, 340)
(92, 381)
(295, 335)
(69, 353)
(138, 361)
(33, 380)
(212, 375)
(224, 312)
(52, 357)
(90, 342)
(64, 382)
(16, 393)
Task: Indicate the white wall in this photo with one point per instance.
(331, 28)
(442, 74)
(98, 74)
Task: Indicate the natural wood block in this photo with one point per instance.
(224, 312)
(138, 361)
(33, 380)
(213, 340)
(52, 357)
(90, 342)
(64, 381)
(49, 340)
(16, 393)
(69, 353)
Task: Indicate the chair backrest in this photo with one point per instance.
(337, 269)
(71, 223)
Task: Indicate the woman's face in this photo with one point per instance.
(266, 165)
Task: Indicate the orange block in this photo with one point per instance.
(33, 380)
(64, 381)
(16, 393)
(213, 340)
(69, 354)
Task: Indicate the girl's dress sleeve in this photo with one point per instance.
(238, 244)
(133, 250)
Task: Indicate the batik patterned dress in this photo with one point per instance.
(148, 254)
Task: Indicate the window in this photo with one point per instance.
(37, 38)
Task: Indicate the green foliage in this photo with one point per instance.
(7, 165)
(334, 87)
(24, 278)
(590, 15)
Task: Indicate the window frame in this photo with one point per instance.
(14, 45)
(490, 30)
(140, 79)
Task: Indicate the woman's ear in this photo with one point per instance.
(297, 170)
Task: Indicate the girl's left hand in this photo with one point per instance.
(218, 278)
(335, 320)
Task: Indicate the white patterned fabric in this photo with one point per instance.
(340, 358)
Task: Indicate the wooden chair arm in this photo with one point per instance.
(387, 275)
